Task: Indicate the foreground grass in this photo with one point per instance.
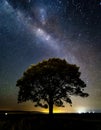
(30, 121)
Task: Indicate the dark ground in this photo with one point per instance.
(38, 121)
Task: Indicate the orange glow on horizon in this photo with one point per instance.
(58, 110)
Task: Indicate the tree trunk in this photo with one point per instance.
(50, 106)
(51, 121)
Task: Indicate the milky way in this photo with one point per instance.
(33, 30)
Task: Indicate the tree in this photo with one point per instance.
(51, 82)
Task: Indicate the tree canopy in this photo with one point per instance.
(51, 82)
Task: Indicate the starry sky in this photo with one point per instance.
(33, 30)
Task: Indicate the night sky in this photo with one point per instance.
(33, 30)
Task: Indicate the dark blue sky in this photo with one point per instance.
(33, 30)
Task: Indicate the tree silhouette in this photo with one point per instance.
(50, 82)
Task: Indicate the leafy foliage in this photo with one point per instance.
(51, 82)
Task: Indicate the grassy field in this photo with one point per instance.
(38, 121)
